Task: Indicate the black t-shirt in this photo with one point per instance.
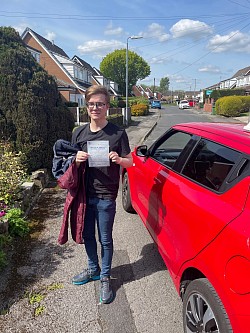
(103, 182)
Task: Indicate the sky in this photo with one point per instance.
(194, 43)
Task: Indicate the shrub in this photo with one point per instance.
(18, 226)
(114, 103)
(12, 172)
(245, 103)
(229, 106)
(139, 110)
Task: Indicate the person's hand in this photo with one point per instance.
(115, 157)
(81, 156)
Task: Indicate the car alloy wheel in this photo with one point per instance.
(203, 311)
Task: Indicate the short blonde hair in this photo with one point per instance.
(96, 89)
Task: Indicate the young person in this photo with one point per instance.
(102, 175)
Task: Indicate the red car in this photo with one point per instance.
(191, 189)
(191, 102)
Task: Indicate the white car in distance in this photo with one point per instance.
(184, 104)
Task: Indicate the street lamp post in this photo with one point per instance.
(126, 109)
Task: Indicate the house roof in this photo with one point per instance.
(83, 63)
(214, 86)
(98, 72)
(242, 72)
(47, 44)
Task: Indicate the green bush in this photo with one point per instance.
(12, 172)
(229, 106)
(245, 104)
(114, 103)
(18, 226)
(139, 110)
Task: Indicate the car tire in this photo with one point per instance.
(203, 310)
(126, 198)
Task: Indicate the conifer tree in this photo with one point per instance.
(32, 115)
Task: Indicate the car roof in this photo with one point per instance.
(232, 134)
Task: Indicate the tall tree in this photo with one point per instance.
(113, 66)
(164, 85)
(31, 113)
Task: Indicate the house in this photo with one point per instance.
(99, 78)
(241, 79)
(138, 91)
(146, 92)
(73, 76)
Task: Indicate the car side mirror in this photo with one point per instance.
(141, 151)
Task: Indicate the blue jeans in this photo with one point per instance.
(100, 212)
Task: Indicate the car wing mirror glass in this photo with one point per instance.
(142, 151)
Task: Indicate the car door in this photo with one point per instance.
(192, 209)
(149, 177)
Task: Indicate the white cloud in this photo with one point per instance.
(99, 48)
(209, 69)
(157, 60)
(110, 30)
(50, 36)
(156, 31)
(191, 29)
(21, 27)
(177, 78)
(235, 41)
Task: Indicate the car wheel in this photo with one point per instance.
(203, 310)
(126, 198)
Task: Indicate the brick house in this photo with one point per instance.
(73, 76)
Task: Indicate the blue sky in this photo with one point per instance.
(194, 43)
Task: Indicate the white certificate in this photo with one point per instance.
(98, 153)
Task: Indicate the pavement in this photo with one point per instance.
(36, 295)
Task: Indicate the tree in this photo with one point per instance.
(32, 115)
(113, 66)
(164, 85)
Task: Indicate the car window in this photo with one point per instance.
(169, 150)
(210, 163)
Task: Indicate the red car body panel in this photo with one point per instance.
(195, 227)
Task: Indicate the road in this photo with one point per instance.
(146, 300)
(171, 115)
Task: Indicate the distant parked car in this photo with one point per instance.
(184, 104)
(191, 102)
(156, 104)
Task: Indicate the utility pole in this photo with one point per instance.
(194, 92)
(154, 89)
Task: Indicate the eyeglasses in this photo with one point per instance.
(98, 105)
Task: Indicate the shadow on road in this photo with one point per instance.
(149, 263)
